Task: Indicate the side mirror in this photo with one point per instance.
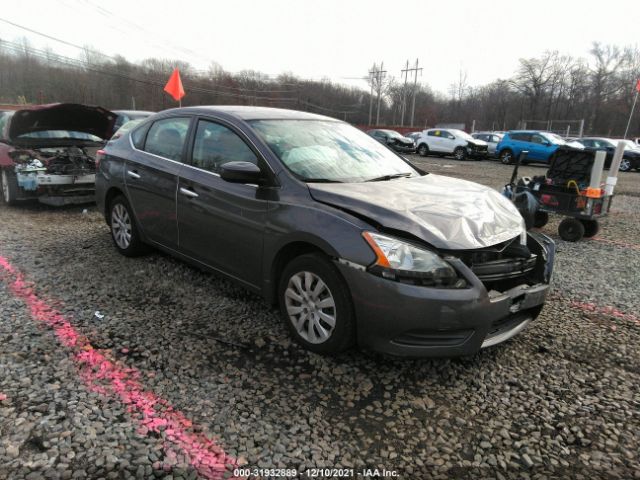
(242, 172)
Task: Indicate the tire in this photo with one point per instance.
(540, 219)
(625, 165)
(124, 231)
(9, 187)
(460, 153)
(571, 229)
(591, 228)
(423, 150)
(506, 157)
(300, 295)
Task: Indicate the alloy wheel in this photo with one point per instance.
(311, 307)
(625, 165)
(121, 226)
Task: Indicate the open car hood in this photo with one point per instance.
(445, 212)
(62, 116)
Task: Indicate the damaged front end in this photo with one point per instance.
(516, 276)
(56, 176)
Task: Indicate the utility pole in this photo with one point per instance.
(372, 72)
(381, 74)
(404, 72)
(413, 91)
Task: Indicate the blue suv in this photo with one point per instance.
(541, 145)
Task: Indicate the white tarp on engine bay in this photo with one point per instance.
(446, 212)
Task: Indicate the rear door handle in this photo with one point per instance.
(132, 174)
(188, 193)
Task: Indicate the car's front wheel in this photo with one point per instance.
(460, 153)
(315, 304)
(124, 231)
(625, 165)
(9, 187)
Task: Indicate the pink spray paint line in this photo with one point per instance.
(617, 243)
(109, 378)
(606, 310)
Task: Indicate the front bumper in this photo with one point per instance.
(415, 321)
(477, 153)
(404, 148)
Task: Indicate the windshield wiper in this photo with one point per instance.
(389, 177)
(320, 180)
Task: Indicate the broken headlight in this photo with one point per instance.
(404, 262)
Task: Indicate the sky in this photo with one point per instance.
(339, 40)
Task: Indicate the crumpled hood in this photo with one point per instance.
(445, 212)
(62, 116)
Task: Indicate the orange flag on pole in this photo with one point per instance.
(174, 86)
(638, 85)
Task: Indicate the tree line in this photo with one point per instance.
(547, 90)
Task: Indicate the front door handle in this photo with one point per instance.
(188, 193)
(133, 174)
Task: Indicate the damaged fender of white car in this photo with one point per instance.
(448, 213)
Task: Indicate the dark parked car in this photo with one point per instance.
(394, 140)
(630, 157)
(354, 243)
(47, 152)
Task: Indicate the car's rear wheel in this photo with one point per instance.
(506, 157)
(9, 187)
(315, 304)
(124, 231)
(625, 165)
(423, 150)
(460, 153)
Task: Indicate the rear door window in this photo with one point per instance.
(521, 137)
(166, 138)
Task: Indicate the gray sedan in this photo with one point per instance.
(352, 242)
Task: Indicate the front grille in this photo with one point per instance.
(500, 265)
(504, 268)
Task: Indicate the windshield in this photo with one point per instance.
(61, 134)
(392, 133)
(320, 150)
(461, 134)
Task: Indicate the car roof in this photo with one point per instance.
(133, 112)
(529, 131)
(244, 112)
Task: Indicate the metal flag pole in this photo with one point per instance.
(635, 99)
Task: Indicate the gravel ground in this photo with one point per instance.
(560, 400)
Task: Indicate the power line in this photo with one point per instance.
(17, 48)
(50, 37)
